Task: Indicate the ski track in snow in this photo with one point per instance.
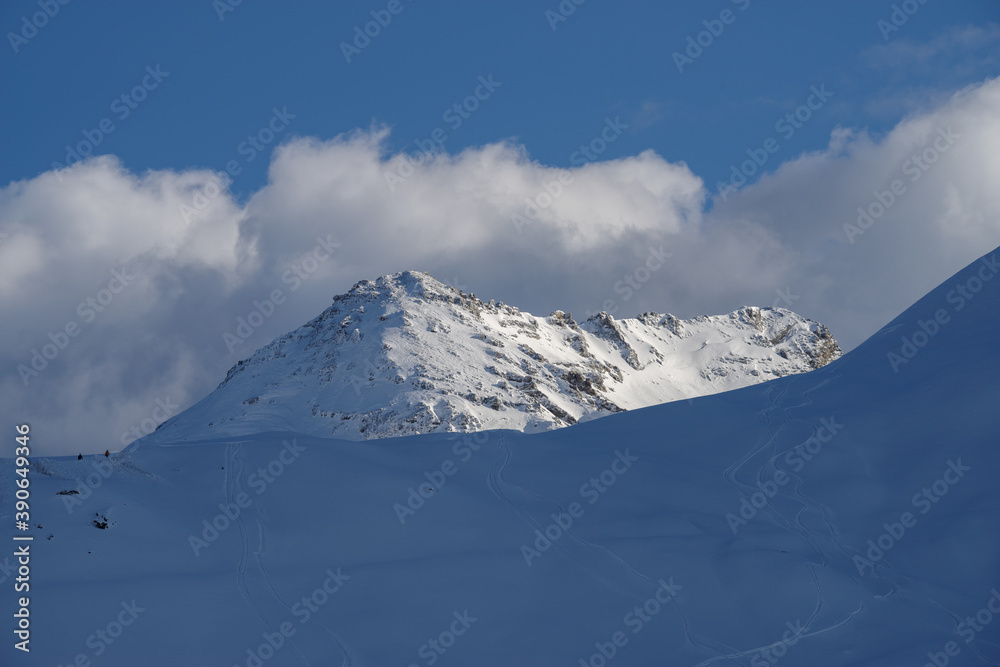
(772, 427)
(233, 487)
(743, 654)
(972, 645)
(883, 570)
(809, 505)
(230, 483)
(496, 486)
(496, 482)
(819, 543)
(259, 554)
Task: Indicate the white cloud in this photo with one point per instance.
(971, 43)
(160, 336)
(921, 75)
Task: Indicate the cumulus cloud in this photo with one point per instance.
(122, 291)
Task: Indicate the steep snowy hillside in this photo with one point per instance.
(842, 517)
(407, 354)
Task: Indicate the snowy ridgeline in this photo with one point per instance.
(406, 354)
(846, 516)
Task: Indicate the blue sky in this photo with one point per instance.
(605, 59)
(229, 147)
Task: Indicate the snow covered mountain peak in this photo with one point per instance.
(415, 284)
(406, 354)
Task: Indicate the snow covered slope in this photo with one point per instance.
(847, 516)
(407, 354)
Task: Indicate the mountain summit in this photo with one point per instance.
(407, 354)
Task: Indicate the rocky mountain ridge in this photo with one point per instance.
(407, 354)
